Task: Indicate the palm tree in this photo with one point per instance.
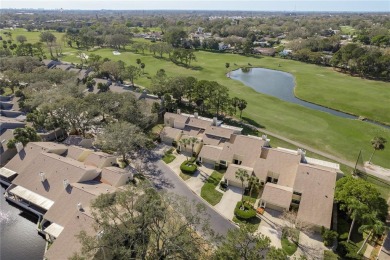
(374, 226)
(254, 183)
(193, 141)
(241, 106)
(235, 102)
(184, 142)
(242, 175)
(378, 143)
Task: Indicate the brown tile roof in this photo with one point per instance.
(212, 140)
(23, 159)
(100, 159)
(244, 148)
(230, 173)
(56, 169)
(171, 132)
(176, 117)
(77, 153)
(317, 187)
(115, 176)
(198, 123)
(210, 152)
(67, 243)
(278, 162)
(219, 131)
(277, 195)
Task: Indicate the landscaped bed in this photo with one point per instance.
(246, 216)
(208, 192)
(188, 168)
(168, 158)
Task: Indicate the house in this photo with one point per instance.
(264, 51)
(290, 180)
(184, 126)
(58, 183)
(81, 73)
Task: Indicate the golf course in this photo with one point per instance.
(321, 85)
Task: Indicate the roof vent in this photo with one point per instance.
(65, 183)
(79, 206)
(215, 121)
(43, 176)
(302, 153)
(196, 114)
(179, 111)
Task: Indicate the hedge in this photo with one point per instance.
(248, 213)
(188, 167)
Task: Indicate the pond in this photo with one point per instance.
(281, 85)
(19, 238)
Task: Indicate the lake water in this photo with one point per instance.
(278, 84)
(19, 239)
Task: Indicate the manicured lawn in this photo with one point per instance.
(341, 137)
(208, 191)
(168, 158)
(288, 247)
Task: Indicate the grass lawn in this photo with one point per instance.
(346, 29)
(168, 158)
(339, 136)
(252, 225)
(288, 247)
(208, 191)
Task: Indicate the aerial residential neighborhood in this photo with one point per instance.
(194, 130)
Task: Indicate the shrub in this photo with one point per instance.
(188, 167)
(328, 236)
(18, 93)
(348, 250)
(247, 213)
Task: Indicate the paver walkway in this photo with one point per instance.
(229, 201)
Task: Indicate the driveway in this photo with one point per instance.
(175, 164)
(310, 245)
(229, 201)
(271, 226)
(198, 180)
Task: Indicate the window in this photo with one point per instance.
(296, 201)
(200, 159)
(269, 179)
(222, 162)
(297, 193)
(275, 181)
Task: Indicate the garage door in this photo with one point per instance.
(208, 162)
(235, 183)
(274, 207)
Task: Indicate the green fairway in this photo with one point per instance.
(339, 136)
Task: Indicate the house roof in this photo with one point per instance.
(97, 159)
(244, 148)
(77, 153)
(66, 244)
(27, 156)
(210, 152)
(317, 186)
(171, 132)
(213, 140)
(115, 176)
(198, 123)
(65, 206)
(56, 169)
(279, 163)
(219, 131)
(278, 195)
(32, 197)
(230, 173)
(176, 117)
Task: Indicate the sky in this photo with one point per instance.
(245, 5)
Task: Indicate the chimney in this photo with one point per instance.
(43, 177)
(65, 183)
(179, 111)
(302, 153)
(264, 137)
(215, 121)
(19, 147)
(79, 206)
(196, 114)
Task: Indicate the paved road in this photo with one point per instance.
(163, 177)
